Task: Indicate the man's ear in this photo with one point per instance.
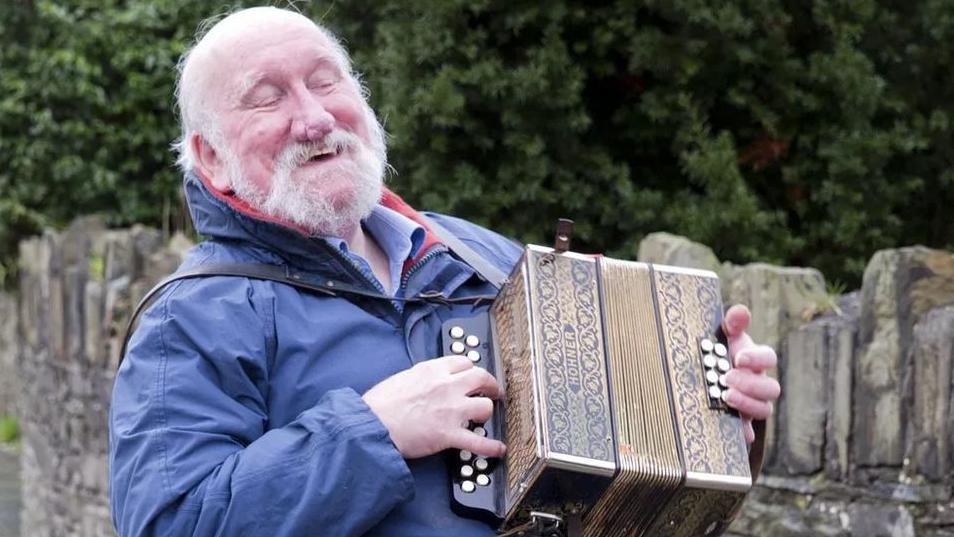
(209, 164)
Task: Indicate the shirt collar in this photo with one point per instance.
(399, 237)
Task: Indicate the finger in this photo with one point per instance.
(479, 381)
(478, 409)
(756, 358)
(747, 430)
(754, 408)
(736, 320)
(487, 447)
(755, 385)
(453, 363)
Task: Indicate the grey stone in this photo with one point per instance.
(780, 299)
(94, 335)
(843, 332)
(899, 287)
(74, 312)
(120, 258)
(779, 514)
(668, 249)
(146, 242)
(879, 520)
(816, 381)
(929, 451)
(9, 348)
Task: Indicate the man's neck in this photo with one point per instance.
(361, 243)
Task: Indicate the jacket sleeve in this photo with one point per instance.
(191, 449)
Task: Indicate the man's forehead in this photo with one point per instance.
(258, 52)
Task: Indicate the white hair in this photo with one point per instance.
(192, 83)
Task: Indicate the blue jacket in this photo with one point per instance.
(238, 410)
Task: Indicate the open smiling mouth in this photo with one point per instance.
(323, 154)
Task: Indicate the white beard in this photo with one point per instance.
(300, 202)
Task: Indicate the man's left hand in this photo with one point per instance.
(751, 391)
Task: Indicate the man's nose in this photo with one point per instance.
(312, 121)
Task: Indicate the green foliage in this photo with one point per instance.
(794, 132)
(797, 132)
(9, 430)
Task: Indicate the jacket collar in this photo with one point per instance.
(225, 217)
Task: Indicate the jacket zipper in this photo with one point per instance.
(431, 254)
(356, 269)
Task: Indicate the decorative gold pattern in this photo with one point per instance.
(570, 351)
(549, 334)
(512, 338)
(712, 440)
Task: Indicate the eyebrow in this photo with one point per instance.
(247, 84)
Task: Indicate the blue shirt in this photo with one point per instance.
(399, 237)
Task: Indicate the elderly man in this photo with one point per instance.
(249, 407)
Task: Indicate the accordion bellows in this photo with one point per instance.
(608, 410)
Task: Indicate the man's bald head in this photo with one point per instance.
(202, 68)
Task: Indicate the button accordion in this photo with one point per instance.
(613, 416)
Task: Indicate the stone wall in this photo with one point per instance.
(861, 444)
(8, 354)
(76, 290)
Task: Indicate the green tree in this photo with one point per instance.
(787, 131)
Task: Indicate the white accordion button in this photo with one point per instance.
(483, 480)
(720, 350)
(465, 455)
(712, 377)
(466, 470)
(724, 365)
(709, 360)
(457, 347)
(480, 464)
(457, 332)
(480, 431)
(706, 345)
(715, 392)
(472, 341)
(468, 486)
(474, 356)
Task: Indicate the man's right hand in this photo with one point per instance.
(426, 408)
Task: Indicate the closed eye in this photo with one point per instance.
(263, 95)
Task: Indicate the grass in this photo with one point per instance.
(9, 430)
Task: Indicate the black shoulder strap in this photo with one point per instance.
(492, 274)
(327, 287)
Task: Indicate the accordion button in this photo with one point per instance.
(457, 332)
(720, 350)
(465, 455)
(712, 377)
(706, 345)
(481, 464)
(472, 341)
(483, 480)
(468, 486)
(715, 392)
(709, 360)
(724, 365)
(457, 347)
(474, 356)
(466, 470)
(480, 431)
(722, 381)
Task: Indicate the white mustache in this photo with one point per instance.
(337, 141)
